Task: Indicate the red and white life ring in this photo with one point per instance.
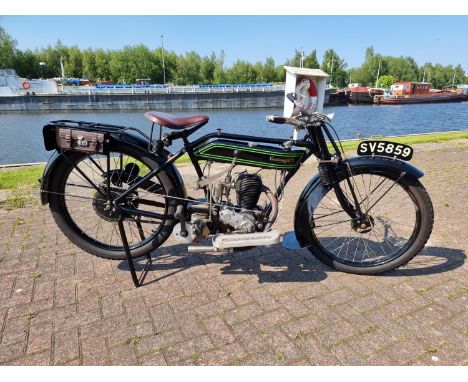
(306, 93)
(26, 85)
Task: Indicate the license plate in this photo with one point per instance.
(385, 148)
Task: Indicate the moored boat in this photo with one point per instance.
(337, 98)
(362, 94)
(13, 85)
(416, 92)
(463, 88)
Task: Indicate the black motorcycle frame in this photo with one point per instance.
(313, 143)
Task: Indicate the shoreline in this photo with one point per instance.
(126, 102)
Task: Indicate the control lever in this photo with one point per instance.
(322, 116)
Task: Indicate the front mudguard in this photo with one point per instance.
(133, 140)
(315, 190)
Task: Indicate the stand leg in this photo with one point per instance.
(142, 236)
(127, 252)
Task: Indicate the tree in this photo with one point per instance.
(385, 81)
(130, 63)
(188, 71)
(335, 67)
(402, 68)
(439, 76)
(73, 65)
(7, 50)
(311, 61)
(458, 75)
(374, 65)
(295, 60)
(424, 73)
(219, 75)
(242, 72)
(27, 64)
(369, 53)
(208, 67)
(102, 59)
(51, 56)
(266, 72)
(89, 65)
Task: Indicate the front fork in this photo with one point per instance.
(360, 220)
(327, 171)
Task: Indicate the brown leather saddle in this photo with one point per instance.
(177, 123)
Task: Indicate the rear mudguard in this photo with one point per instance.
(128, 139)
(315, 190)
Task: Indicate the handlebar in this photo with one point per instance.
(299, 121)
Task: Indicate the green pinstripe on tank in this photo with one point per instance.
(203, 152)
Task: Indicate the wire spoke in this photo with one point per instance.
(91, 214)
(387, 232)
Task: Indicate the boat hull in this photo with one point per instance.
(339, 98)
(420, 99)
(357, 97)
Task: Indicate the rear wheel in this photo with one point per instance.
(398, 222)
(79, 201)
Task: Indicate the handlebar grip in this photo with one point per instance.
(276, 119)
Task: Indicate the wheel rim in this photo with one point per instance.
(392, 223)
(87, 208)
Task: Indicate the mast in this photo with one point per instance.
(378, 73)
(331, 71)
(163, 66)
(61, 67)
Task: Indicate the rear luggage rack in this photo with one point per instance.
(51, 131)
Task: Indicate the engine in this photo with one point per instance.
(248, 189)
(242, 218)
(224, 216)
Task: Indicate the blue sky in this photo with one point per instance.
(436, 39)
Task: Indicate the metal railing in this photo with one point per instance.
(86, 90)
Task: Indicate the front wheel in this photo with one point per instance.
(398, 223)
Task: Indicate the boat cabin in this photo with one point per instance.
(8, 77)
(463, 88)
(410, 88)
(143, 81)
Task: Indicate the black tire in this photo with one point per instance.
(354, 260)
(60, 204)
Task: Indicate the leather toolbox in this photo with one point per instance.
(79, 140)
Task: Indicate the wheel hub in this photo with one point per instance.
(363, 225)
(105, 209)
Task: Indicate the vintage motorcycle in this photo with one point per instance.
(115, 192)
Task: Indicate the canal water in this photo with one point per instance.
(21, 134)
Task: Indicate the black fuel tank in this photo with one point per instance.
(222, 150)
